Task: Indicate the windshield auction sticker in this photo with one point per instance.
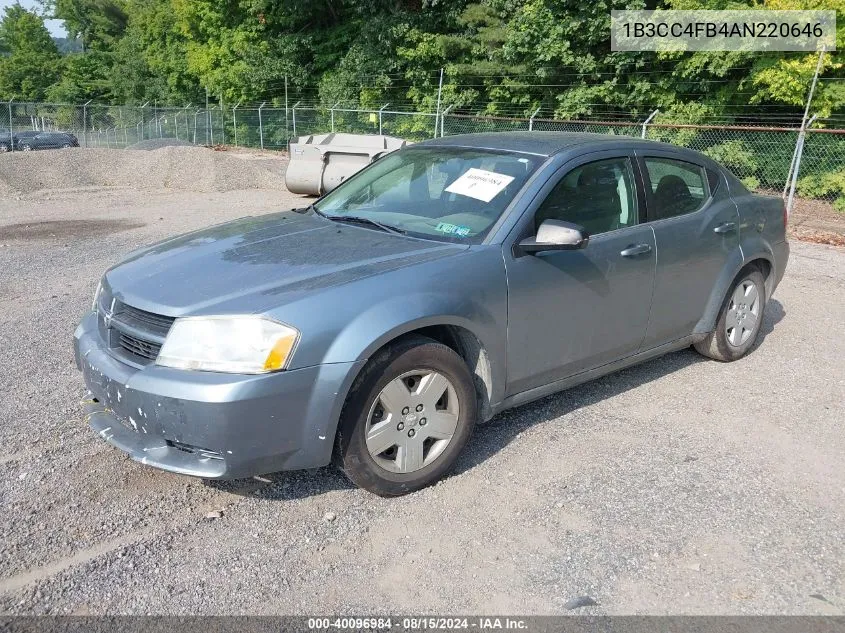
(480, 184)
(733, 30)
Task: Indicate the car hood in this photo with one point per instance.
(256, 263)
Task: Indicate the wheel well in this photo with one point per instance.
(765, 268)
(466, 345)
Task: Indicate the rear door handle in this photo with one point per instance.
(636, 249)
(726, 227)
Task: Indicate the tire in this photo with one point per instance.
(3, 148)
(733, 338)
(396, 390)
(66, 146)
(26, 148)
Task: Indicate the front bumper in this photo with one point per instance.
(212, 425)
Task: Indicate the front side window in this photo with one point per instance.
(677, 187)
(598, 196)
(445, 193)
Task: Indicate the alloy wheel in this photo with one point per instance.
(743, 313)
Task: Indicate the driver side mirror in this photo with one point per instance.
(556, 235)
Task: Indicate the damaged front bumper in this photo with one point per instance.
(211, 425)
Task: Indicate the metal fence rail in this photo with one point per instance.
(760, 155)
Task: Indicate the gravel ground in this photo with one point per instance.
(180, 168)
(678, 486)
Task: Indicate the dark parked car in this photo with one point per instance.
(48, 140)
(444, 283)
(24, 136)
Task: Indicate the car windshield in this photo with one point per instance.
(444, 193)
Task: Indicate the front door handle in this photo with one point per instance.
(725, 227)
(636, 249)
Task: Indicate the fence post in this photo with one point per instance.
(261, 125)
(331, 111)
(798, 152)
(211, 121)
(293, 116)
(287, 129)
(804, 126)
(196, 117)
(531, 119)
(235, 122)
(439, 96)
(380, 111)
(222, 121)
(85, 121)
(11, 127)
(647, 121)
(443, 120)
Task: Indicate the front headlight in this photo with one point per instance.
(235, 344)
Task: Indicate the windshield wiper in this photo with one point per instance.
(357, 219)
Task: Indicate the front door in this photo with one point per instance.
(571, 311)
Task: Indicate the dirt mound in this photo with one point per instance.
(178, 168)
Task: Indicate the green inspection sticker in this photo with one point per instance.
(452, 229)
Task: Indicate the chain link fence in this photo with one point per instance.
(761, 156)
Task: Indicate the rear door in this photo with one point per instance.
(570, 311)
(696, 226)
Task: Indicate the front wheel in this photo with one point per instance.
(26, 148)
(407, 418)
(740, 320)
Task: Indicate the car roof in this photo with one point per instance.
(538, 143)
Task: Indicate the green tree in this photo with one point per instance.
(31, 62)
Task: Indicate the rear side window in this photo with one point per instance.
(677, 187)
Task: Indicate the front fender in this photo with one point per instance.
(390, 319)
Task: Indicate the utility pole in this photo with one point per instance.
(287, 128)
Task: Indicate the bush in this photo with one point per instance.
(736, 156)
(828, 186)
(751, 183)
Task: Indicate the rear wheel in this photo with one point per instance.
(407, 418)
(4, 147)
(26, 148)
(740, 320)
(66, 146)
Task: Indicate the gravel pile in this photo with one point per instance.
(177, 168)
(158, 143)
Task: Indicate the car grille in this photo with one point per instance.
(140, 319)
(139, 348)
(137, 333)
